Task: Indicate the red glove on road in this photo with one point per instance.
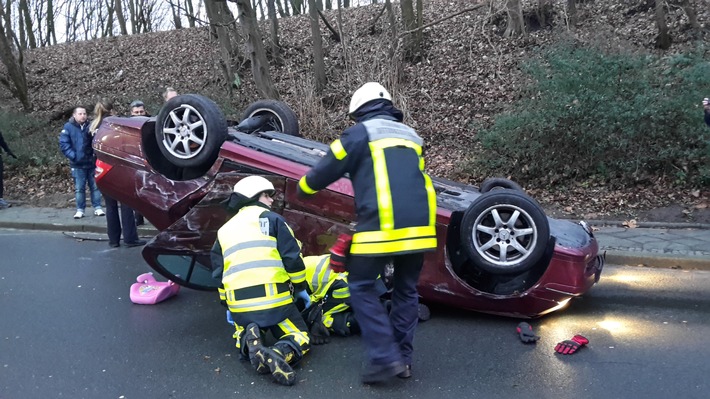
(339, 253)
(570, 346)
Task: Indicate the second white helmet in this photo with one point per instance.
(251, 186)
(366, 93)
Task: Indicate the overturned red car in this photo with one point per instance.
(498, 252)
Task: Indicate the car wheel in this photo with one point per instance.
(494, 183)
(505, 232)
(280, 117)
(189, 130)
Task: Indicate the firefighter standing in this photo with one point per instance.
(396, 211)
(258, 256)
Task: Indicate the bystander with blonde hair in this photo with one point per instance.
(169, 93)
(126, 224)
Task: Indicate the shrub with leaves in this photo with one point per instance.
(617, 117)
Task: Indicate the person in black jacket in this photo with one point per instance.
(706, 109)
(3, 145)
(126, 223)
(396, 210)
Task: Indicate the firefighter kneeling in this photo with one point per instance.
(261, 262)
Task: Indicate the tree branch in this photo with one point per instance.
(465, 10)
(336, 36)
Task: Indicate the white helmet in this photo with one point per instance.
(251, 186)
(366, 93)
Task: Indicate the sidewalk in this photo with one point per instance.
(669, 245)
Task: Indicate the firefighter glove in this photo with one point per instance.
(339, 253)
(570, 346)
(319, 332)
(526, 333)
(303, 294)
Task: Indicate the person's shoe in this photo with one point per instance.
(278, 366)
(99, 212)
(381, 373)
(407, 373)
(4, 204)
(79, 215)
(254, 343)
(138, 243)
(114, 244)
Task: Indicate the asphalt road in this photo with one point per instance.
(69, 330)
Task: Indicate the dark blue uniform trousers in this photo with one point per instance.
(387, 338)
(125, 224)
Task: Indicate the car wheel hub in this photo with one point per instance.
(184, 132)
(505, 234)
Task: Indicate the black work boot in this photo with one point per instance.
(407, 373)
(382, 373)
(254, 343)
(278, 366)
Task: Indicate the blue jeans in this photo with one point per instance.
(82, 177)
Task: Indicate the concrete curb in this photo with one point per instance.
(142, 231)
(656, 260)
(645, 225)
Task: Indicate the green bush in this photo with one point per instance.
(622, 118)
(33, 140)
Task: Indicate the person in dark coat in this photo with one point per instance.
(75, 143)
(126, 224)
(706, 109)
(3, 145)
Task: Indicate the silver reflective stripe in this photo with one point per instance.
(378, 129)
(252, 265)
(315, 283)
(250, 305)
(249, 244)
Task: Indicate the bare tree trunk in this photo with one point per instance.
(318, 61)
(409, 20)
(15, 82)
(692, 15)
(346, 3)
(663, 40)
(51, 30)
(221, 19)
(190, 13)
(275, 47)
(393, 28)
(7, 17)
(283, 9)
(255, 51)
(175, 12)
(572, 13)
(118, 6)
(27, 18)
(516, 24)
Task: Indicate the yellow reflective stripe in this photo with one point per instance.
(431, 197)
(373, 248)
(338, 150)
(341, 293)
(297, 277)
(304, 186)
(222, 294)
(290, 329)
(261, 303)
(341, 307)
(393, 142)
(384, 195)
(393, 235)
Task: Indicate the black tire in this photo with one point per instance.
(283, 119)
(494, 183)
(498, 247)
(189, 130)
